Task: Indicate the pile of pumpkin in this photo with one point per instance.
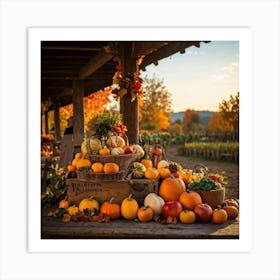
(173, 203)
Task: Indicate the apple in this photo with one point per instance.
(203, 212)
(128, 150)
(172, 209)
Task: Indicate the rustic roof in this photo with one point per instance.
(65, 61)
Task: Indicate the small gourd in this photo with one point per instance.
(72, 210)
(129, 208)
(90, 204)
(110, 209)
(138, 170)
(145, 214)
(83, 163)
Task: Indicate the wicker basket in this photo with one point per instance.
(213, 197)
(100, 176)
(123, 161)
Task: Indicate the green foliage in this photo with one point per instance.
(204, 184)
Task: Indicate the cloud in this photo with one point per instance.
(225, 72)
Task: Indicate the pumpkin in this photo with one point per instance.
(71, 168)
(147, 163)
(104, 151)
(155, 202)
(145, 214)
(138, 170)
(190, 199)
(162, 163)
(164, 172)
(111, 167)
(72, 210)
(187, 217)
(110, 209)
(83, 163)
(232, 202)
(138, 150)
(129, 208)
(219, 216)
(97, 167)
(171, 189)
(64, 204)
(117, 151)
(115, 141)
(151, 173)
(90, 204)
(232, 211)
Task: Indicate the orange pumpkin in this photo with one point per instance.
(64, 204)
(164, 172)
(97, 167)
(83, 163)
(219, 216)
(187, 217)
(171, 189)
(147, 163)
(151, 173)
(110, 209)
(190, 199)
(232, 211)
(71, 168)
(104, 151)
(111, 167)
(145, 214)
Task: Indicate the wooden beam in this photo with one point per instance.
(129, 110)
(57, 121)
(166, 51)
(94, 64)
(78, 112)
(145, 48)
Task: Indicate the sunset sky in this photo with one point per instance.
(201, 77)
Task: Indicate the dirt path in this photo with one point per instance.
(231, 170)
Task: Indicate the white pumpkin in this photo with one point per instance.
(117, 151)
(115, 141)
(162, 163)
(155, 202)
(138, 150)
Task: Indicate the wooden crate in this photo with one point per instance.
(105, 190)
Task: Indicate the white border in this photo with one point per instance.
(243, 35)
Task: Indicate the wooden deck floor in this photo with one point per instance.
(120, 229)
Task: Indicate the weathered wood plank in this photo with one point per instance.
(55, 228)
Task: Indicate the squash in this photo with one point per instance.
(171, 189)
(138, 150)
(72, 210)
(219, 216)
(90, 204)
(162, 164)
(147, 163)
(64, 204)
(129, 208)
(190, 199)
(115, 141)
(138, 170)
(155, 202)
(83, 163)
(110, 209)
(117, 151)
(151, 173)
(145, 214)
(111, 167)
(95, 145)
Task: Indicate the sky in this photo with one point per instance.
(200, 78)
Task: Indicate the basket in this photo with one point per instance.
(100, 176)
(213, 197)
(123, 161)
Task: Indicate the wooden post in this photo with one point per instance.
(78, 112)
(128, 109)
(46, 123)
(57, 122)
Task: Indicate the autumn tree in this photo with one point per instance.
(156, 108)
(191, 122)
(227, 118)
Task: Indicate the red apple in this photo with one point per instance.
(172, 209)
(203, 212)
(128, 150)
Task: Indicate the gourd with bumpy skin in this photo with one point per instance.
(138, 170)
(129, 208)
(155, 202)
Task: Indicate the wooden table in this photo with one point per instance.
(53, 228)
